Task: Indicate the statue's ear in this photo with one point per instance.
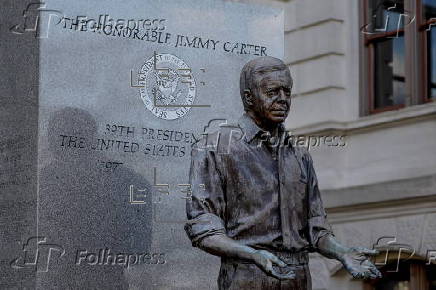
(248, 97)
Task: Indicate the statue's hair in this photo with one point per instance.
(258, 67)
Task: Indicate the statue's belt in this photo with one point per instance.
(298, 258)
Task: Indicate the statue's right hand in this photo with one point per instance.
(265, 260)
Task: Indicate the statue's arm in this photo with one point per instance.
(329, 247)
(223, 246)
(355, 260)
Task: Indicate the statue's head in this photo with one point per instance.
(265, 86)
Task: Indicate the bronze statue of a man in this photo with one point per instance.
(259, 207)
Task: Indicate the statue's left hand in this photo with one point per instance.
(356, 261)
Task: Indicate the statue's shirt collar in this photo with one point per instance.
(252, 130)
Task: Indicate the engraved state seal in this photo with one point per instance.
(168, 86)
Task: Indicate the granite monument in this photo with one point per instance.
(100, 104)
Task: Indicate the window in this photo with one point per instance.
(399, 54)
(411, 275)
(428, 28)
(431, 275)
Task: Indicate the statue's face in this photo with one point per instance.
(272, 96)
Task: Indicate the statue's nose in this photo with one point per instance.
(281, 95)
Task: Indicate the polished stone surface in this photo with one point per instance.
(103, 145)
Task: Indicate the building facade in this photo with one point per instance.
(364, 88)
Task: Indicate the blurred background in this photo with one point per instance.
(365, 72)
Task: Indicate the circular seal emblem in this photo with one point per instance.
(168, 86)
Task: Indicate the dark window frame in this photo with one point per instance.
(422, 30)
(416, 59)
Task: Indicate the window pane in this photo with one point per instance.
(393, 285)
(385, 15)
(389, 77)
(429, 9)
(431, 276)
(395, 280)
(431, 52)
